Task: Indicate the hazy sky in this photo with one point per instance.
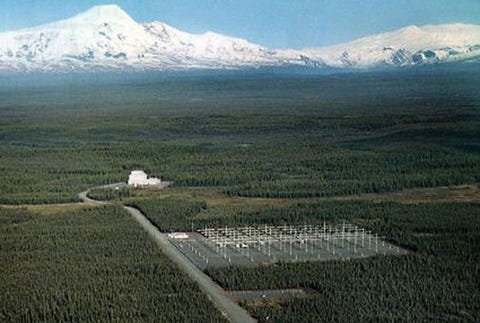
(273, 23)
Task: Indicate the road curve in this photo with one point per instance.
(231, 310)
(85, 199)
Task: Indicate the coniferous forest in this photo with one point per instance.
(241, 148)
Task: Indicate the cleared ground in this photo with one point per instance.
(215, 198)
(253, 246)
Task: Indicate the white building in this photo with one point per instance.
(140, 178)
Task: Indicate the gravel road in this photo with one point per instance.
(231, 310)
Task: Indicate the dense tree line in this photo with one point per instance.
(284, 137)
(179, 214)
(106, 194)
(170, 214)
(309, 151)
(275, 170)
(436, 281)
(90, 265)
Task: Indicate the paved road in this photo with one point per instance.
(83, 196)
(216, 294)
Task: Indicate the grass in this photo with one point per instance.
(49, 209)
(214, 197)
(462, 193)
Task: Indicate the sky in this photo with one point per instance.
(272, 23)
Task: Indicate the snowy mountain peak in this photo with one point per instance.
(97, 15)
(100, 14)
(106, 37)
(411, 29)
(107, 10)
(412, 45)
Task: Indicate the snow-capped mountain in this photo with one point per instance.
(106, 38)
(408, 46)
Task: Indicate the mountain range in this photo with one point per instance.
(106, 38)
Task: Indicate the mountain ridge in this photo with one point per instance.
(406, 46)
(107, 38)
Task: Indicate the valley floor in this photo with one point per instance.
(394, 153)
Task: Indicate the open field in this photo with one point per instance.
(214, 198)
(49, 209)
(463, 193)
